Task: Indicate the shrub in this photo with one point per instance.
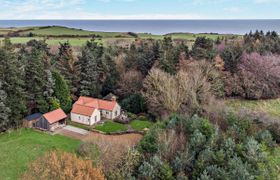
(155, 169)
(149, 142)
(62, 165)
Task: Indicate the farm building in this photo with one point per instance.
(90, 110)
(29, 121)
(52, 120)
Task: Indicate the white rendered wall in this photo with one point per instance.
(87, 120)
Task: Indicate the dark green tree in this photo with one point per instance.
(112, 75)
(92, 69)
(68, 66)
(61, 92)
(203, 48)
(232, 56)
(169, 56)
(4, 110)
(35, 81)
(11, 76)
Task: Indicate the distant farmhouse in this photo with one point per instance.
(90, 110)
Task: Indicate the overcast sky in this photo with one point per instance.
(139, 9)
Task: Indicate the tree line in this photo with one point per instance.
(146, 76)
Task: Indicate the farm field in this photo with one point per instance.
(56, 34)
(19, 148)
(271, 107)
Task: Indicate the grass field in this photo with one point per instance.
(110, 126)
(59, 31)
(271, 107)
(107, 37)
(139, 125)
(19, 148)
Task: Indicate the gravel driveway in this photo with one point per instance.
(75, 130)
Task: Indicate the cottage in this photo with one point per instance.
(90, 110)
(29, 121)
(52, 120)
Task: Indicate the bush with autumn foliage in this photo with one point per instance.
(62, 166)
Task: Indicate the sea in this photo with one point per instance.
(158, 27)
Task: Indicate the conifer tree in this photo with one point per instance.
(92, 69)
(35, 81)
(4, 110)
(68, 66)
(169, 56)
(61, 92)
(11, 76)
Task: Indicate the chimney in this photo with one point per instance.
(114, 98)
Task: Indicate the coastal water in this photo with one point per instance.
(156, 26)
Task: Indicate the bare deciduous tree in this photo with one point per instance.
(185, 92)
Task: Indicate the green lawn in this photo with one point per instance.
(271, 107)
(19, 148)
(139, 125)
(110, 126)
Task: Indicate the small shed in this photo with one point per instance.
(52, 120)
(29, 121)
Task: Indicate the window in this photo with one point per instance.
(116, 113)
(95, 118)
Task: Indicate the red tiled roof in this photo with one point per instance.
(83, 110)
(55, 116)
(87, 105)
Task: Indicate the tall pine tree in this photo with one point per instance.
(68, 66)
(4, 110)
(35, 80)
(92, 69)
(11, 77)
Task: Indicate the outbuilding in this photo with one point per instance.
(29, 121)
(52, 120)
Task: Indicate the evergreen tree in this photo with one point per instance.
(202, 48)
(92, 69)
(169, 56)
(4, 110)
(146, 59)
(11, 75)
(112, 75)
(35, 81)
(68, 66)
(61, 92)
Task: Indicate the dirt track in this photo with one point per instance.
(129, 139)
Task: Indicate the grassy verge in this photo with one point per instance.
(139, 125)
(271, 107)
(110, 126)
(19, 148)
